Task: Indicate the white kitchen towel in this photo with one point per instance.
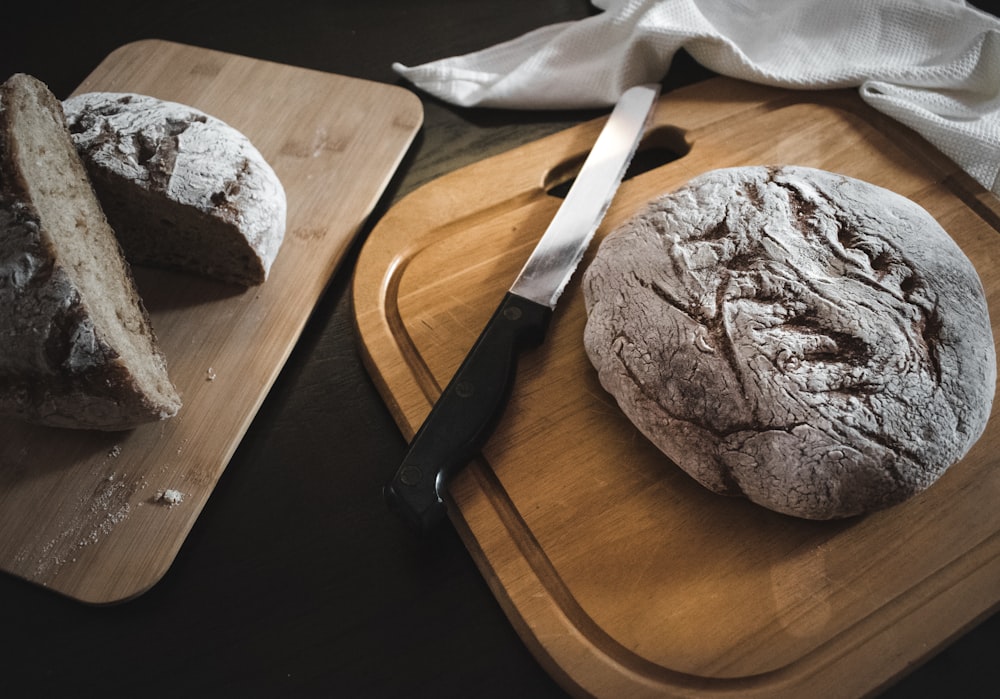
(933, 65)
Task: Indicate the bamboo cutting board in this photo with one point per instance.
(621, 574)
(79, 511)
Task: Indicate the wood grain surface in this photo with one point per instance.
(623, 576)
(80, 511)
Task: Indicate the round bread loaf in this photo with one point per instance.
(181, 188)
(813, 342)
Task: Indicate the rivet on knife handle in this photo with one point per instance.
(466, 412)
(471, 404)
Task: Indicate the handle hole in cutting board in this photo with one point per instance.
(660, 146)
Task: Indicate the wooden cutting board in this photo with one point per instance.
(79, 510)
(621, 574)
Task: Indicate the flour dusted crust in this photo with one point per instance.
(810, 341)
(181, 188)
(76, 346)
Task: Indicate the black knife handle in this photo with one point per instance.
(467, 411)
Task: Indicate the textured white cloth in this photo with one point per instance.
(933, 65)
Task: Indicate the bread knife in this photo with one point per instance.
(469, 408)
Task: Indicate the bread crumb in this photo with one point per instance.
(115, 452)
(169, 497)
(210, 374)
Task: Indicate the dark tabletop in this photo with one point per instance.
(321, 592)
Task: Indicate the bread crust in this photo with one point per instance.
(57, 367)
(812, 342)
(181, 188)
